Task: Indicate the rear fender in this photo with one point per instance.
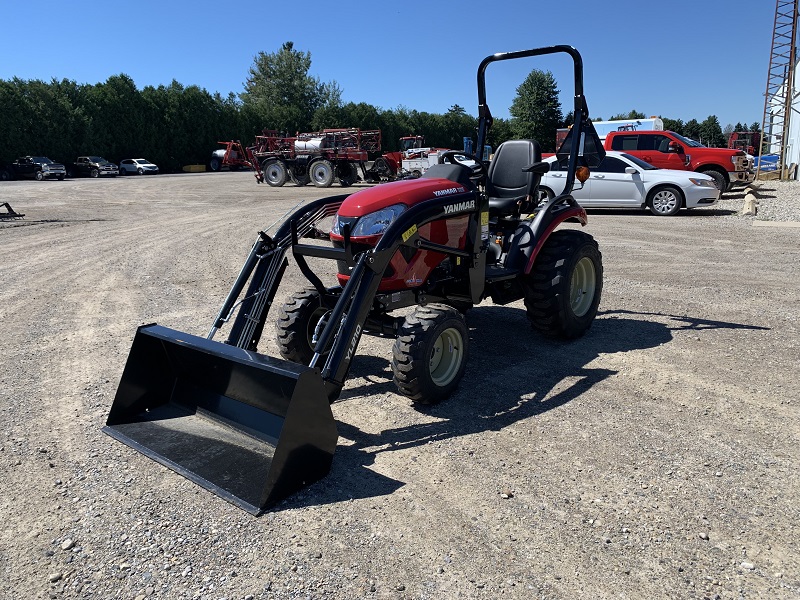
(531, 235)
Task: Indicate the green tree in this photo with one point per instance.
(632, 114)
(692, 129)
(282, 92)
(711, 133)
(330, 114)
(456, 125)
(675, 125)
(536, 110)
(500, 132)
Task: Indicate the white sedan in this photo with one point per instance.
(624, 181)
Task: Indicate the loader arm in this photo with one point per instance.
(264, 269)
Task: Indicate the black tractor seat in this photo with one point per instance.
(514, 173)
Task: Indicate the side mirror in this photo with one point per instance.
(630, 170)
(675, 147)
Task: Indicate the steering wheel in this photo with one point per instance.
(478, 169)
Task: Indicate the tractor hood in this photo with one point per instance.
(408, 192)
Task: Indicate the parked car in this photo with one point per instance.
(134, 166)
(92, 166)
(624, 181)
(32, 167)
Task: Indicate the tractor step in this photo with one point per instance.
(494, 274)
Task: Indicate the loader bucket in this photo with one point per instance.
(250, 428)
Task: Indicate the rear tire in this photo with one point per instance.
(346, 173)
(300, 176)
(297, 320)
(563, 289)
(430, 353)
(274, 172)
(321, 173)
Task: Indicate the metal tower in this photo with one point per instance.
(780, 86)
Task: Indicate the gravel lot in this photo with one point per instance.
(657, 457)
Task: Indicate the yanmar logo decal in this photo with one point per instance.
(448, 191)
(459, 207)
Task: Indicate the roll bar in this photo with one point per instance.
(580, 111)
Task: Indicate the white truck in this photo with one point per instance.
(605, 127)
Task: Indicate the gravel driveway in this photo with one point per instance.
(657, 457)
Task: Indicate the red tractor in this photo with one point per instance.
(253, 428)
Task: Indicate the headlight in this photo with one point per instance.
(374, 223)
(378, 222)
(702, 182)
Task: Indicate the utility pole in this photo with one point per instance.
(779, 95)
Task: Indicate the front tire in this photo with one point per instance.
(720, 180)
(274, 172)
(430, 353)
(94, 173)
(563, 289)
(665, 201)
(39, 176)
(298, 319)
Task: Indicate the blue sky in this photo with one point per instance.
(679, 59)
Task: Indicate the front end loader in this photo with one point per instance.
(254, 429)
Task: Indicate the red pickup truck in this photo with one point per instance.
(669, 150)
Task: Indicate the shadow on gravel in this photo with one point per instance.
(512, 374)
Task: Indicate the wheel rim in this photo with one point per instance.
(582, 286)
(274, 173)
(319, 173)
(446, 357)
(664, 202)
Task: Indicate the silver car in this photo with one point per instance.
(137, 166)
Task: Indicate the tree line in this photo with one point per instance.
(174, 125)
